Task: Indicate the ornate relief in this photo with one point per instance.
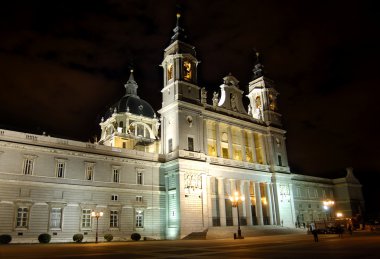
(193, 184)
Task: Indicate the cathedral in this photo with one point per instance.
(193, 165)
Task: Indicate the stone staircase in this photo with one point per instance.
(196, 236)
(251, 231)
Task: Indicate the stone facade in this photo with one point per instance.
(170, 176)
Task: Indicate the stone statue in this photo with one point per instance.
(215, 99)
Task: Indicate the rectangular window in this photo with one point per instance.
(279, 160)
(139, 198)
(55, 217)
(170, 145)
(114, 197)
(114, 219)
(139, 219)
(139, 178)
(22, 217)
(190, 144)
(60, 169)
(116, 175)
(28, 166)
(86, 218)
(89, 172)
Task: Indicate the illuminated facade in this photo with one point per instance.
(166, 175)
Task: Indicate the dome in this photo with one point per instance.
(132, 104)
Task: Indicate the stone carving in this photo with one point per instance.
(215, 99)
(203, 95)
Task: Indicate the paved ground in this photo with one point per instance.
(360, 245)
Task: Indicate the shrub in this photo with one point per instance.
(135, 236)
(108, 237)
(44, 238)
(5, 239)
(78, 238)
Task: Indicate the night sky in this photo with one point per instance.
(63, 63)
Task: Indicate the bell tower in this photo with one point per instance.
(180, 69)
(263, 97)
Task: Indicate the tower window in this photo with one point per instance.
(279, 160)
(116, 175)
(60, 169)
(114, 219)
(22, 217)
(190, 144)
(89, 171)
(28, 166)
(139, 179)
(139, 219)
(55, 218)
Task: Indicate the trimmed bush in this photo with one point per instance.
(135, 236)
(44, 238)
(78, 238)
(108, 237)
(5, 239)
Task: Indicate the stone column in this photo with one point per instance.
(248, 203)
(205, 138)
(222, 202)
(244, 194)
(217, 133)
(259, 207)
(234, 211)
(230, 149)
(275, 221)
(269, 200)
(263, 149)
(242, 141)
(253, 147)
(291, 200)
(209, 200)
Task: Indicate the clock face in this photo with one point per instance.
(170, 71)
(187, 70)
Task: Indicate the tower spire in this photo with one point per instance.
(258, 69)
(131, 85)
(179, 32)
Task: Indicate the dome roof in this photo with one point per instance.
(131, 102)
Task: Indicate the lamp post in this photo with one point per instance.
(97, 215)
(327, 205)
(235, 200)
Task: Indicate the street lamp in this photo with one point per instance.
(327, 204)
(97, 215)
(235, 200)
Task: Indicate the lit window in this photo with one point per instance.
(190, 144)
(139, 219)
(116, 175)
(139, 178)
(139, 198)
(114, 219)
(114, 197)
(89, 171)
(55, 217)
(22, 217)
(86, 218)
(60, 169)
(28, 166)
